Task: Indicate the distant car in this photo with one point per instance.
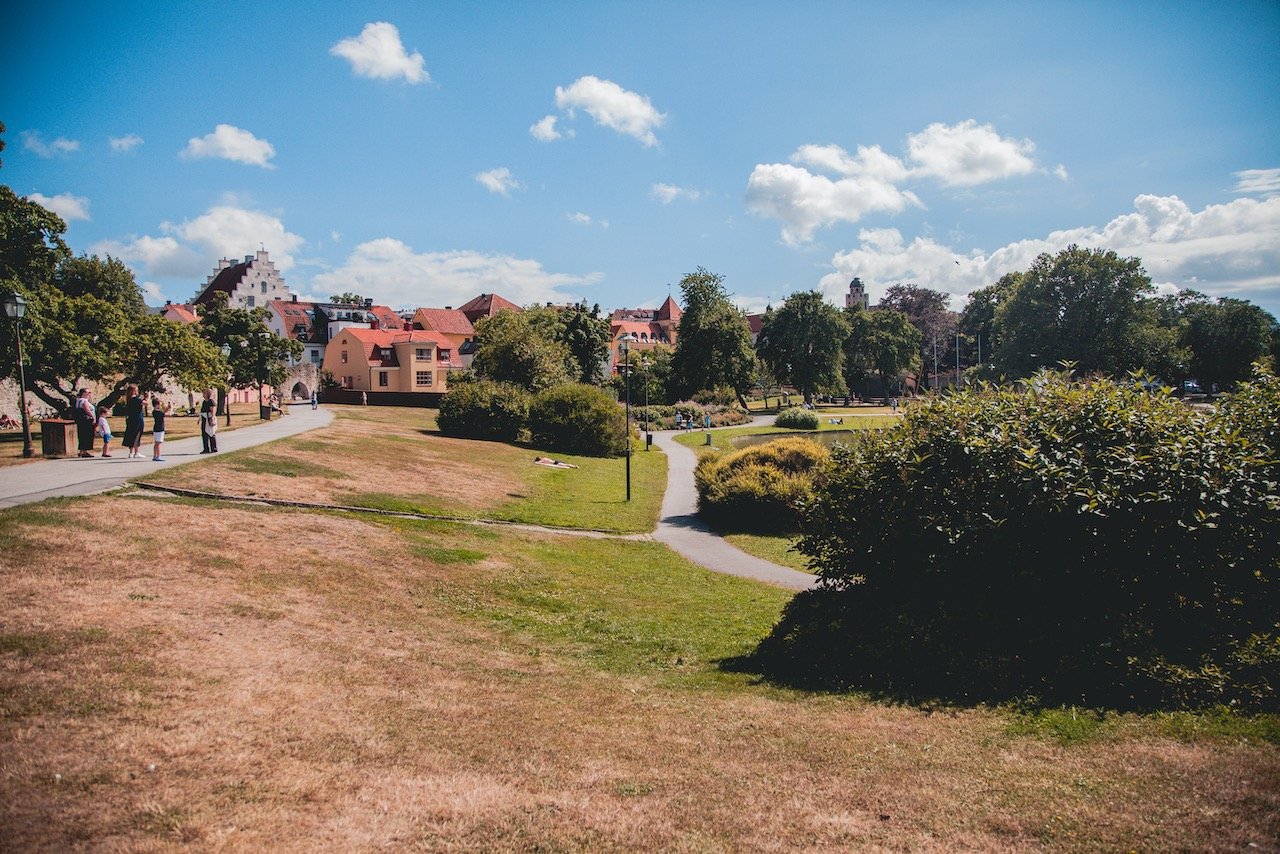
(1189, 388)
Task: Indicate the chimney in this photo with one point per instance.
(448, 308)
(373, 323)
(368, 302)
(248, 259)
(408, 326)
(294, 298)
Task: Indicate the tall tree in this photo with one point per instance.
(1081, 306)
(1225, 339)
(713, 348)
(518, 347)
(258, 356)
(802, 343)
(883, 341)
(586, 335)
(927, 310)
(977, 321)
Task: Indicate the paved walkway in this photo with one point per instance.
(681, 529)
(22, 484)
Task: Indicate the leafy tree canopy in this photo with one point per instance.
(883, 341)
(802, 342)
(347, 298)
(928, 312)
(520, 347)
(1225, 339)
(714, 344)
(258, 355)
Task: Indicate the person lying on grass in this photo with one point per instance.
(547, 461)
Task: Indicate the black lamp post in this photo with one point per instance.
(226, 395)
(648, 416)
(16, 308)
(624, 346)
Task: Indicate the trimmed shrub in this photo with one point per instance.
(796, 418)
(577, 419)
(758, 488)
(1062, 543)
(481, 409)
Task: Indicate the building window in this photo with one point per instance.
(316, 357)
(422, 354)
(344, 357)
(382, 379)
(249, 301)
(264, 287)
(423, 378)
(445, 356)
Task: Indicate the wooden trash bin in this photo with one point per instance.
(58, 437)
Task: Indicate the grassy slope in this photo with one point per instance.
(210, 674)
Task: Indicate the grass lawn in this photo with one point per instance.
(775, 548)
(392, 458)
(176, 427)
(191, 673)
(723, 438)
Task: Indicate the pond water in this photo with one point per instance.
(822, 437)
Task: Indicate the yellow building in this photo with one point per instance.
(386, 360)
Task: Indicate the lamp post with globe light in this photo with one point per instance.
(16, 308)
(624, 347)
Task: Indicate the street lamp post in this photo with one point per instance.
(648, 416)
(16, 308)
(226, 395)
(624, 346)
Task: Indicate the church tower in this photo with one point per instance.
(857, 294)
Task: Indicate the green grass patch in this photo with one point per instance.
(724, 439)
(32, 644)
(1074, 725)
(445, 556)
(264, 463)
(775, 548)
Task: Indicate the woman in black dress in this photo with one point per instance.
(133, 422)
(85, 419)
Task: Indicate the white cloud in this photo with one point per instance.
(32, 141)
(390, 272)
(1230, 249)
(1060, 172)
(804, 201)
(611, 106)
(124, 144)
(228, 142)
(378, 53)
(579, 217)
(153, 292)
(499, 180)
(544, 130)
(65, 205)
(1263, 182)
(668, 193)
(868, 181)
(968, 154)
(335, 236)
(190, 249)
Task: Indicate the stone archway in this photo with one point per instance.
(300, 391)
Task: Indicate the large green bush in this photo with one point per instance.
(796, 418)
(1071, 542)
(578, 419)
(758, 488)
(481, 409)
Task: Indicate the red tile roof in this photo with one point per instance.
(448, 321)
(180, 313)
(486, 305)
(294, 314)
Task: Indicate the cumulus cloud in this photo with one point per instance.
(190, 249)
(544, 130)
(34, 142)
(1263, 182)
(65, 205)
(967, 154)
(124, 144)
(668, 193)
(228, 142)
(499, 180)
(390, 272)
(1060, 172)
(379, 54)
(1229, 249)
(825, 184)
(626, 112)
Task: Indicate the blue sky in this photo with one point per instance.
(421, 153)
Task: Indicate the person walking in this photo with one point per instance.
(104, 430)
(315, 400)
(158, 412)
(134, 422)
(208, 424)
(86, 418)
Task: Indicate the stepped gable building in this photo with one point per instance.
(250, 283)
(652, 327)
(486, 305)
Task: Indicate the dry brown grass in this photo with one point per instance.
(305, 681)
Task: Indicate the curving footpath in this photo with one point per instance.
(36, 481)
(680, 528)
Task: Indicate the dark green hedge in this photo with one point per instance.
(578, 419)
(482, 409)
(760, 488)
(1067, 542)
